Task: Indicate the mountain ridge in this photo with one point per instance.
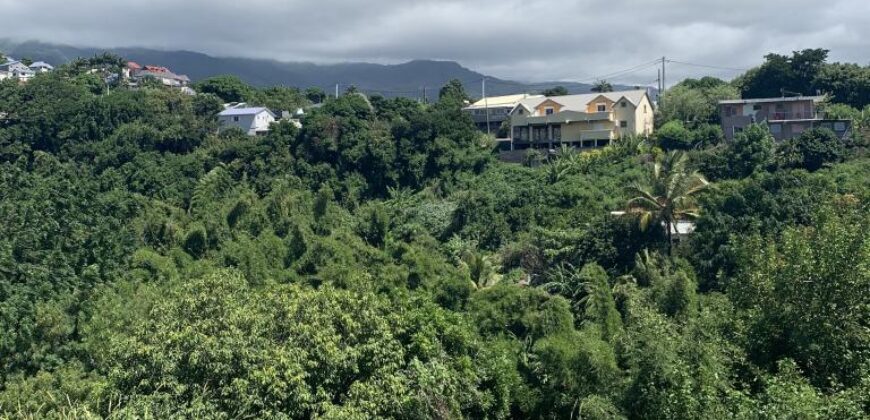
(415, 78)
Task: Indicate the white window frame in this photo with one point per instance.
(601, 107)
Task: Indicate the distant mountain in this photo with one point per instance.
(412, 79)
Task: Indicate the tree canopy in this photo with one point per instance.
(380, 262)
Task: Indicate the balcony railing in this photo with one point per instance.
(596, 135)
(604, 134)
(785, 116)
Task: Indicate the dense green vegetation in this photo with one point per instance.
(379, 262)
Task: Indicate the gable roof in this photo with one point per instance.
(42, 64)
(579, 102)
(501, 101)
(244, 111)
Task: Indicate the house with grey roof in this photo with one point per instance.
(785, 117)
(41, 67)
(490, 112)
(16, 69)
(252, 120)
(582, 121)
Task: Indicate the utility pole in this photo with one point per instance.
(336, 91)
(664, 82)
(485, 103)
(425, 98)
(659, 85)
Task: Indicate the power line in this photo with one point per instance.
(706, 66)
(622, 72)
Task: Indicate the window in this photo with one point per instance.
(235, 118)
(602, 143)
(644, 109)
(839, 126)
(522, 133)
(623, 124)
(588, 143)
(520, 111)
(623, 104)
(601, 107)
(776, 128)
(756, 107)
(557, 132)
(548, 111)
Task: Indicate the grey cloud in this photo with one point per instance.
(525, 40)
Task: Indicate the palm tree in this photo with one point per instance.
(668, 195)
(602, 86)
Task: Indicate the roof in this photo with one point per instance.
(501, 101)
(12, 62)
(41, 64)
(818, 98)
(244, 111)
(579, 102)
(161, 74)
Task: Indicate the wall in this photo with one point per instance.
(250, 124)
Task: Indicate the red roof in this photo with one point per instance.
(133, 65)
(157, 69)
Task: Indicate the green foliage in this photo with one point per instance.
(674, 135)
(805, 297)
(555, 91)
(667, 195)
(806, 72)
(602, 86)
(811, 150)
(227, 88)
(751, 151)
(378, 263)
(695, 101)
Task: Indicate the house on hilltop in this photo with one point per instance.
(137, 73)
(253, 121)
(494, 110)
(583, 121)
(786, 117)
(41, 67)
(17, 70)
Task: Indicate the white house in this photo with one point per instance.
(17, 69)
(253, 121)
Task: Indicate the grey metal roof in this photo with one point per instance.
(818, 98)
(161, 75)
(41, 64)
(244, 111)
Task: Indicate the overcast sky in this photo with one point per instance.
(530, 40)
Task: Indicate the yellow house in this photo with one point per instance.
(588, 120)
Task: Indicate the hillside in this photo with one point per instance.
(405, 79)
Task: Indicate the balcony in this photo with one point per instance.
(792, 116)
(605, 134)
